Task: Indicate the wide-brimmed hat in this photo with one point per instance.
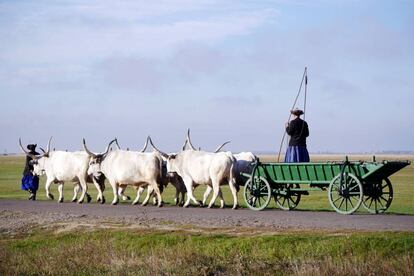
(31, 147)
(297, 112)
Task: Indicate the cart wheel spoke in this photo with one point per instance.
(260, 192)
(345, 193)
(289, 200)
(379, 195)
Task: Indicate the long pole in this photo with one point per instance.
(294, 104)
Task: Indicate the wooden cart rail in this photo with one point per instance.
(349, 184)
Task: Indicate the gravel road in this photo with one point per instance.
(20, 214)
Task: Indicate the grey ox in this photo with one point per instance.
(62, 166)
(199, 167)
(122, 167)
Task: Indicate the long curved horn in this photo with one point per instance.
(160, 152)
(219, 148)
(145, 146)
(189, 140)
(42, 150)
(87, 150)
(107, 148)
(185, 144)
(25, 151)
(48, 147)
(117, 145)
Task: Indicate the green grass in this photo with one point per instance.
(403, 184)
(144, 253)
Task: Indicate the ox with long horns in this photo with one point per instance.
(199, 167)
(62, 166)
(127, 168)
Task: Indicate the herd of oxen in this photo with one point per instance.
(185, 170)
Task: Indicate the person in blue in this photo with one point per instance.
(30, 182)
(298, 130)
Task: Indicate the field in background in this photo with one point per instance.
(11, 168)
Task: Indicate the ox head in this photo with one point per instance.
(96, 159)
(38, 161)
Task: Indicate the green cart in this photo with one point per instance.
(349, 184)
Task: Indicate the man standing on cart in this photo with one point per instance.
(298, 130)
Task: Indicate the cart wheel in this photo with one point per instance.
(345, 193)
(378, 196)
(257, 195)
(290, 200)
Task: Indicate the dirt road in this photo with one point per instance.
(15, 214)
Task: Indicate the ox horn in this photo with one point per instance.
(160, 152)
(25, 151)
(145, 146)
(185, 144)
(189, 140)
(117, 145)
(87, 150)
(46, 154)
(219, 148)
(107, 148)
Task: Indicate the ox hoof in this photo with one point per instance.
(144, 204)
(98, 199)
(103, 200)
(74, 200)
(80, 201)
(200, 203)
(60, 200)
(181, 204)
(88, 198)
(222, 207)
(128, 198)
(114, 203)
(134, 203)
(50, 196)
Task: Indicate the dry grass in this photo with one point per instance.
(179, 253)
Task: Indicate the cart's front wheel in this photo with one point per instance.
(288, 199)
(257, 195)
(378, 196)
(345, 193)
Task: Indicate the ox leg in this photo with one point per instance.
(157, 191)
(149, 191)
(221, 199)
(216, 190)
(182, 198)
(121, 191)
(233, 189)
(84, 186)
(115, 187)
(206, 194)
(99, 197)
(139, 190)
(60, 189)
(76, 188)
(190, 196)
(47, 188)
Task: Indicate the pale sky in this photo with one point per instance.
(229, 70)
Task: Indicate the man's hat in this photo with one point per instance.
(297, 112)
(31, 147)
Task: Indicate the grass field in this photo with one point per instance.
(403, 184)
(178, 253)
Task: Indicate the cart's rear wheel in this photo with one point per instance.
(289, 200)
(257, 195)
(378, 196)
(345, 193)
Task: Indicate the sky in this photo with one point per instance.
(229, 70)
